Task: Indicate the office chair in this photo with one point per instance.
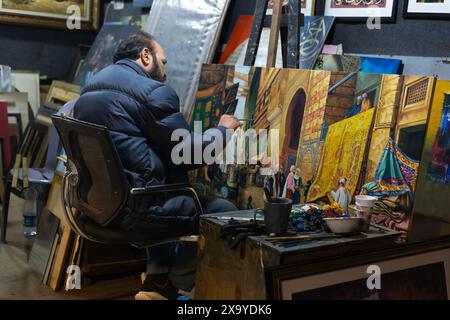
(95, 189)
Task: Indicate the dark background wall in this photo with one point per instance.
(410, 37)
(52, 51)
(49, 51)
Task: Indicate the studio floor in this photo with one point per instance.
(18, 281)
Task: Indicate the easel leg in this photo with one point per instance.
(255, 35)
(294, 24)
(274, 34)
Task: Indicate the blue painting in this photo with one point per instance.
(380, 65)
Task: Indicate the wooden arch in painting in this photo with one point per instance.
(294, 119)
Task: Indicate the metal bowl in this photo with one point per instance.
(343, 225)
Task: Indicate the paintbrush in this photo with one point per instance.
(302, 237)
(267, 193)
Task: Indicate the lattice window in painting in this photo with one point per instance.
(417, 92)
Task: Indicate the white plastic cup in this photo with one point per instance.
(366, 201)
(365, 213)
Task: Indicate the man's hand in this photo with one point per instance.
(229, 122)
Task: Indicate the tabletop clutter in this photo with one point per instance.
(280, 222)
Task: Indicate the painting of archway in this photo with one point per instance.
(294, 119)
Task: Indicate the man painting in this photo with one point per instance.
(130, 98)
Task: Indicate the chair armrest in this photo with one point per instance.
(176, 187)
(62, 158)
(159, 189)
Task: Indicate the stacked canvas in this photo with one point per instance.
(312, 38)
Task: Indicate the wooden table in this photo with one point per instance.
(259, 269)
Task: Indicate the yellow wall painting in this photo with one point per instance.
(343, 155)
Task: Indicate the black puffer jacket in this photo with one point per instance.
(141, 114)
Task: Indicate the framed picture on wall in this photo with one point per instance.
(427, 9)
(355, 9)
(307, 7)
(51, 13)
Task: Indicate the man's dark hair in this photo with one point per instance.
(133, 45)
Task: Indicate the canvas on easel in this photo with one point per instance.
(308, 108)
(401, 106)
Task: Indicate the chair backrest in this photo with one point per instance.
(52, 153)
(102, 187)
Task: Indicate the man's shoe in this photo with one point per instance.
(144, 295)
(157, 287)
(188, 294)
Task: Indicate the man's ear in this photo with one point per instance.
(146, 57)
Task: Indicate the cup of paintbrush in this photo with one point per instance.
(276, 213)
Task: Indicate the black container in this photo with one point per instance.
(276, 215)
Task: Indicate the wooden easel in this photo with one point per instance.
(293, 20)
